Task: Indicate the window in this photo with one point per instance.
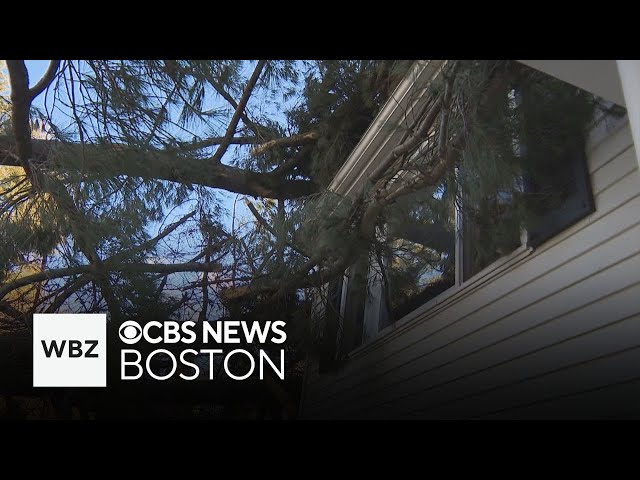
(546, 188)
(354, 306)
(416, 261)
(534, 185)
(329, 331)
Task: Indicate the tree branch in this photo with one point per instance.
(277, 287)
(151, 242)
(111, 161)
(167, 267)
(205, 285)
(9, 310)
(20, 105)
(123, 267)
(231, 128)
(431, 176)
(46, 79)
(446, 108)
(288, 165)
(259, 147)
(40, 276)
(76, 285)
(411, 142)
(247, 121)
(259, 217)
(291, 141)
(262, 221)
(213, 141)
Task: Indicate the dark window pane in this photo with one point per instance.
(354, 307)
(330, 332)
(556, 204)
(557, 188)
(419, 249)
(544, 186)
(490, 231)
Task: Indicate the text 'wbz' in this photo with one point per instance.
(163, 364)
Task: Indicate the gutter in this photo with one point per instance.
(387, 128)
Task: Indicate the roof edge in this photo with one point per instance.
(386, 127)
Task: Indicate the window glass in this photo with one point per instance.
(418, 251)
(331, 328)
(532, 175)
(357, 291)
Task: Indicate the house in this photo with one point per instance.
(547, 328)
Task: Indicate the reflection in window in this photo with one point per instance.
(357, 291)
(534, 180)
(330, 331)
(490, 231)
(418, 252)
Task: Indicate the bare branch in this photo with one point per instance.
(262, 221)
(46, 79)
(213, 141)
(277, 288)
(40, 276)
(231, 128)
(76, 285)
(257, 129)
(124, 267)
(167, 267)
(433, 175)
(9, 310)
(291, 141)
(151, 242)
(288, 165)
(411, 142)
(205, 285)
(446, 107)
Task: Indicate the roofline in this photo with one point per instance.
(386, 130)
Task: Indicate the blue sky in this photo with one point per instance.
(36, 70)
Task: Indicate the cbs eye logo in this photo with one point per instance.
(130, 332)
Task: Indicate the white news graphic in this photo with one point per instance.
(69, 350)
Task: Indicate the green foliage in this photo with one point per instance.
(321, 224)
(340, 100)
(164, 109)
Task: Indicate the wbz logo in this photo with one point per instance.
(69, 350)
(75, 348)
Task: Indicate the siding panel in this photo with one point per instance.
(568, 312)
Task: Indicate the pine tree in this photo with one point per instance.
(130, 143)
